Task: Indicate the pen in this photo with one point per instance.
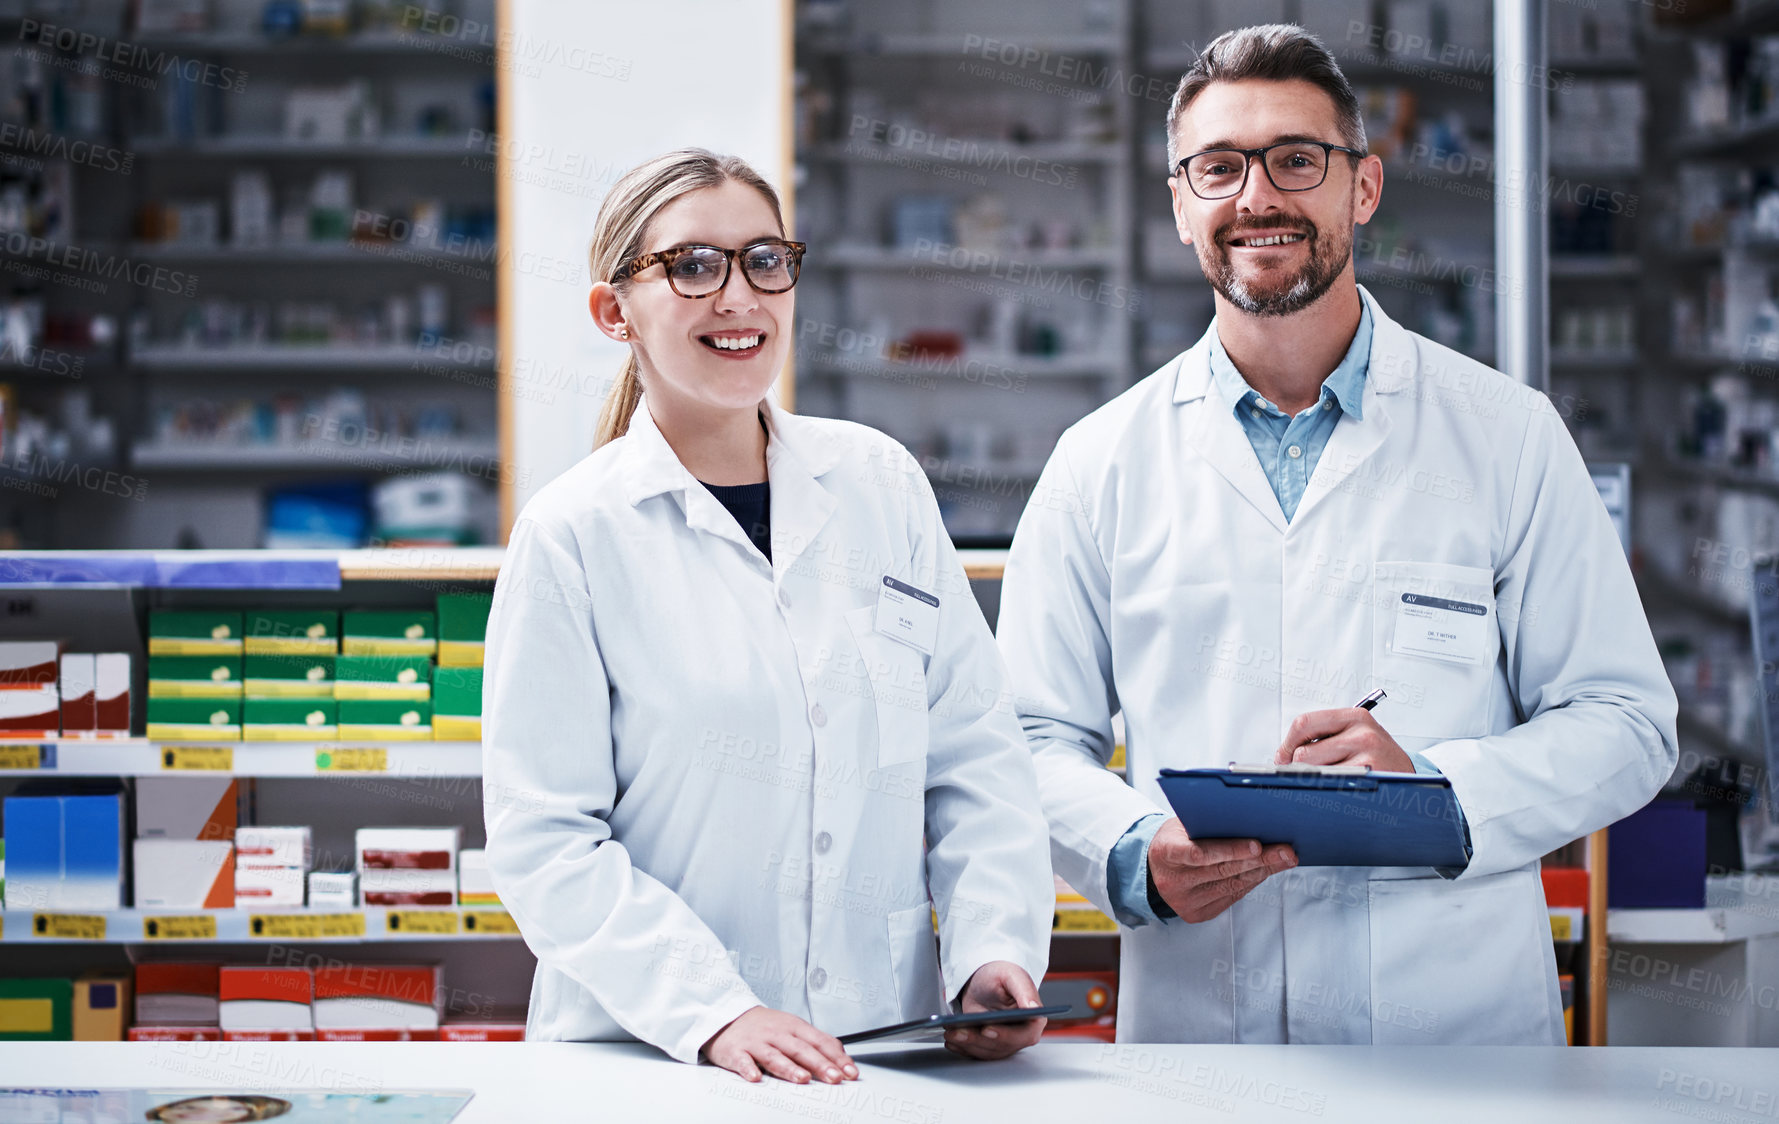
(1371, 700)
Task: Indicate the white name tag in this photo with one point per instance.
(1441, 629)
(907, 614)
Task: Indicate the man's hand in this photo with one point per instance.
(1199, 879)
(780, 1044)
(996, 986)
(1348, 736)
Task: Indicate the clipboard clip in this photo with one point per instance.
(1295, 770)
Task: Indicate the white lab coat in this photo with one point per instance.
(707, 777)
(1154, 571)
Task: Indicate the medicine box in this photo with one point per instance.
(404, 632)
(267, 847)
(36, 1010)
(201, 632)
(197, 807)
(184, 874)
(194, 677)
(28, 663)
(457, 704)
(30, 712)
(111, 702)
(383, 677)
(101, 1007)
(79, 692)
(302, 632)
(260, 886)
(475, 886)
(260, 998)
(177, 992)
(463, 626)
(385, 720)
(191, 720)
(64, 851)
(379, 997)
(279, 677)
(272, 720)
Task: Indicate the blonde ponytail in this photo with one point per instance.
(621, 229)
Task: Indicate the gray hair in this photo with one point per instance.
(1274, 52)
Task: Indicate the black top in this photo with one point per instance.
(751, 505)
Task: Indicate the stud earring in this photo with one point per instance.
(624, 333)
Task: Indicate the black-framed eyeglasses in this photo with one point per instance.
(696, 271)
(1300, 165)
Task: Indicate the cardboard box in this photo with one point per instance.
(202, 632)
(344, 1035)
(194, 720)
(289, 720)
(259, 847)
(36, 1010)
(463, 625)
(383, 677)
(184, 874)
(333, 889)
(288, 677)
(304, 632)
(379, 997)
(268, 1035)
(253, 998)
(198, 807)
(262, 886)
(474, 884)
(111, 702)
(457, 704)
(64, 851)
(177, 993)
(385, 720)
(194, 677)
(402, 632)
(78, 688)
(27, 664)
(408, 888)
(31, 712)
(101, 1007)
(141, 1033)
(513, 1031)
(408, 865)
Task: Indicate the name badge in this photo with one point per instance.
(1442, 629)
(907, 614)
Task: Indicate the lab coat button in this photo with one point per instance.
(818, 979)
(784, 599)
(823, 842)
(818, 716)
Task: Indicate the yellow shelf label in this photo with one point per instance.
(439, 922)
(490, 922)
(352, 759)
(217, 758)
(1083, 921)
(21, 757)
(305, 926)
(69, 926)
(189, 927)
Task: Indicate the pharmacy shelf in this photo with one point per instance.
(993, 264)
(1688, 926)
(965, 47)
(1571, 360)
(479, 254)
(170, 569)
(1752, 17)
(301, 357)
(1755, 140)
(1595, 267)
(421, 563)
(364, 42)
(275, 145)
(968, 367)
(1739, 479)
(1716, 739)
(1661, 591)
(986, 153)
(362, 761)
(312, 456)
(365, 925)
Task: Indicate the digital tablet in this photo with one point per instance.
(922, 1027)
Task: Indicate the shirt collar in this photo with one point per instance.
(1346, 384)
(650, 466)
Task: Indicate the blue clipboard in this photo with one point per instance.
(1340, 816)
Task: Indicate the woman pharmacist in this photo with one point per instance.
(715, 733)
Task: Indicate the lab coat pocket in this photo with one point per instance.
(1434, 646)
(914, 961)
(898, 689)
(1460, 962)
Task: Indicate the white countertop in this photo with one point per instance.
(1073, 1082)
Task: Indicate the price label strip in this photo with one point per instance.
(212, 758)
(489, 923)
(304, 926)
(191, 927)
(21, 757)
(352, 759)
(432, 922)
(69, 926)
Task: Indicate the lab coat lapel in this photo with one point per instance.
(1356, 441)
(796, 456)
(652, 467)
(1219, 438)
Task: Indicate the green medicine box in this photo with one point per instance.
(194, 677)
(402, 632)
(201, 632)
(36, 1010)
(385, 720)
(290, 720)
(457, 704)
(194, 720)
(304, 632)
(383, 677)
(463, 624)
(288, 677)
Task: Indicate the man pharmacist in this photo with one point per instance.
(1221, 553)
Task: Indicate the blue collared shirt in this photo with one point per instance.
(1288, 449)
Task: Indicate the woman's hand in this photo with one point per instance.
(997, 986)
(780, 1044)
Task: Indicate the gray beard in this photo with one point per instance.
(1315, 279)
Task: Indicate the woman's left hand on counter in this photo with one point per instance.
(996, 986)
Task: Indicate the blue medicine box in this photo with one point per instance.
(64, 851)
